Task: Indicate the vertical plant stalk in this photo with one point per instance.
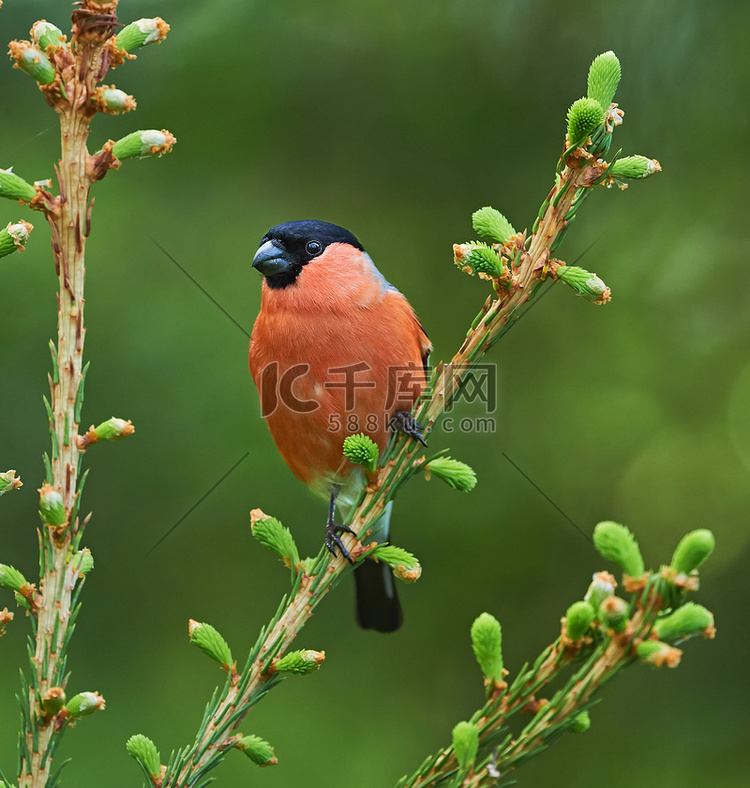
(68, 75)
(68, 216)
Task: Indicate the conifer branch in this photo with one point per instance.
(67, 74)
(516, 264)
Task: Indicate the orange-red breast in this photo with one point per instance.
(336, 350)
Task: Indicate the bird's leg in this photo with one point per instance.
(401, 421)
(333, 540)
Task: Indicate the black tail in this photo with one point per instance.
(378, 607)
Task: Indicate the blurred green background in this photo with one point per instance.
(397, 120)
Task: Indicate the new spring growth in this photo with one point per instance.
(613, 613)
(141, 33)
(15, 188)
(273, 535)
(143, 143)
(109, 430)
(615, 543)
(687, 621)
(658, 654)
(112, 100)
(580, 723)
(487, 644)
(210, 642)
(404, 565)
(489, 223)
(602, 586)
(299, 662)
(257, 750)
(584, 283)
(144, 751)
(478, 258)
(53, 701)
(584, 116)
(9, 481)
(85, 703)
(362, 450)
(32, 60)
(14, 237)
(454, 473)
(634, 167)
(578, 618)
(11, 578)
(465, 745)
(51, 505)
(44, 34)
(694, 548)
(82, 562)
(603, 79)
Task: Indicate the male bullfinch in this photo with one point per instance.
(335, 350)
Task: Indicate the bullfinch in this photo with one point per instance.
(335, 350)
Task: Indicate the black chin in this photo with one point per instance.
(284, 278)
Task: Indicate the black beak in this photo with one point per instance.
(271, 260)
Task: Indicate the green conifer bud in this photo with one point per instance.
(53, 701)
(685, 622)
(694, 548)
(634, 167)
(584, 116)
(362, 450)
(51, 505)
(604, 77)
(110, 430)
(44, 34)
(33, 61)
(615, 543)
(658, 654)
(454, 473)
(258, 750)
(478, 258)
(273, 535)
(300, 662)
(603, 584)
(141, 33)
(82, 561)
(580, 723)
(85, 703)
(15, 188)
(613, 613)
(11, 578)
(405, 566)
(144, 751)
(465, 744)
(114, 429)
(14, 237)
(589, 285)
(9, 481)
(486, 642)
(143, 143)
(210, 642)
(578, 618)
(113, 100)
(492, 225)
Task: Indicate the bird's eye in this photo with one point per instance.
(313, 248)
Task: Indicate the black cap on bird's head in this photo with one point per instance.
(286, 248)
